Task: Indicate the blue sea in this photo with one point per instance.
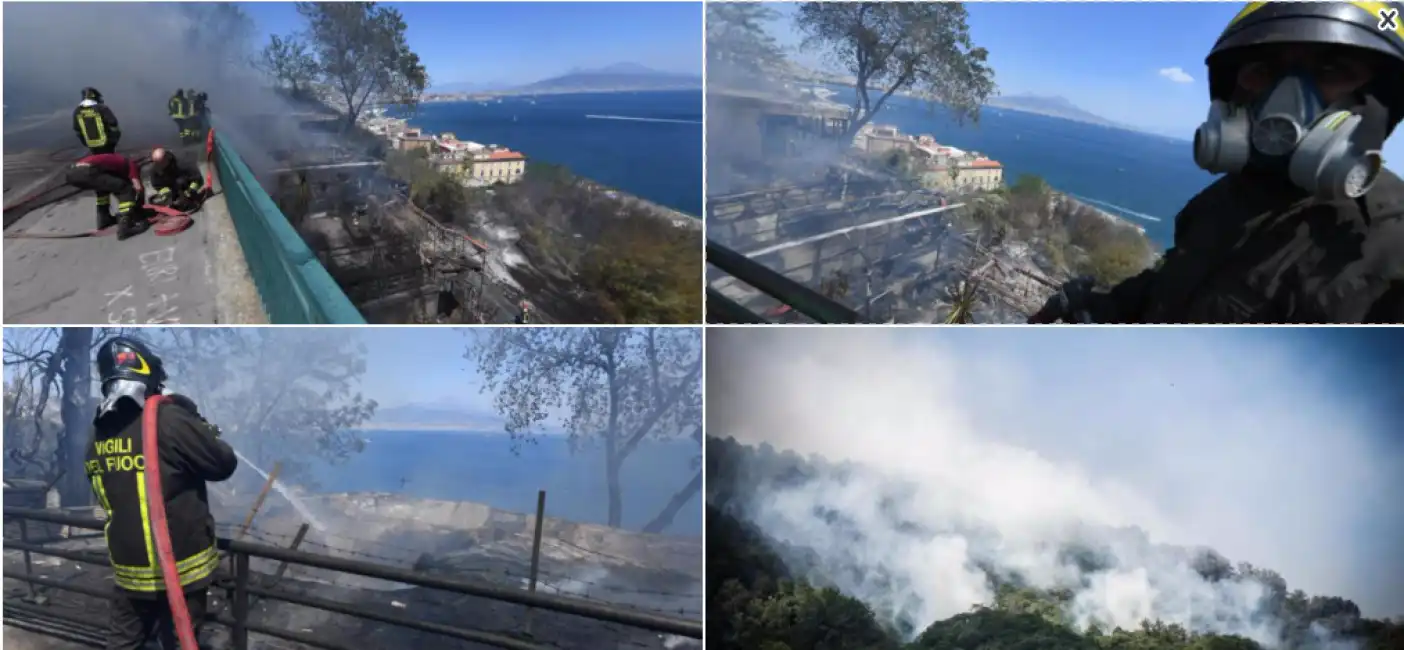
(481, 467)
(1142, 177)
(645, 143)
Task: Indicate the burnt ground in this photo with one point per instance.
(473, 542)
(547, 628)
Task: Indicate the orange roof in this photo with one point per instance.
(505, 155)
(985, 164)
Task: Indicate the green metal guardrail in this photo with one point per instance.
(294, 286)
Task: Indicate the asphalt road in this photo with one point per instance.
(197, 276)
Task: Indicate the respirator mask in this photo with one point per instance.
(1333, 152)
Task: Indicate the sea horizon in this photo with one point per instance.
(645, 143)
(489, 467)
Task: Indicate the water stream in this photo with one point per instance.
(297, 503)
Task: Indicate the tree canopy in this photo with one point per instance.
(890, 47)
(288, 61)
(363, 55)
(738, 41)
(279, 395)
(756, 600)
(613, 386)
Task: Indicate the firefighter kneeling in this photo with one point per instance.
(176, 186)
(191, 454)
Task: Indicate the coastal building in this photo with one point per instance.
(499, 166)
(450, 145)
(881, 139)
(980, 174)
(413, 139)
(459, 168)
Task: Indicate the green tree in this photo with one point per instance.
(737, 38)
(1030, 186)
(1117, 259)
(288, 61)
(280, 395)
(362, 53)
(890, 47)
(52, 367)
(617, 386)
(797, 615)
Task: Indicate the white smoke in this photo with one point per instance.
(997, 449)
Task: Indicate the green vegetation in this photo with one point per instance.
(433, 191)
(737, 38)
(1075, 240)
(754, 600)
(889, 47)
(632, 266)
(356, 50)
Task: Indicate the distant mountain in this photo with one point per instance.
(620, 76)
(419, 416)
(1052, 106)
(469, 87)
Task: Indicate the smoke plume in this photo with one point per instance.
(1101, 462)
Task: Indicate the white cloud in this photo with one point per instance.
(1177, 75)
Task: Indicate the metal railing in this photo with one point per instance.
(242, 588)
(294, 286)
(811, 303)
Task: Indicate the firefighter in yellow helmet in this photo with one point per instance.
(191, 454)
(1305, 226)
(95, 124)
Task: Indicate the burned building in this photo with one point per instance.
(750, 133)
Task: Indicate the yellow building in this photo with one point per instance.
(968, 175)
(501, 166)
(457, 167)
(982, 174)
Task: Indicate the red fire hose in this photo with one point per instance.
(166, 222)
(156, 504)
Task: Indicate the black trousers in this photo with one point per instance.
(105, 185)
(135, 621)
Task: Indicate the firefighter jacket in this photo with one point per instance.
(1258, 250)
(173, 178)
(191, 454)
(179, 107)
(95, 124)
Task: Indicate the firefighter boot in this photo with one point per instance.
(104, 213)
(130, 224)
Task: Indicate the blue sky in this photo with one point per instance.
(1140, 64)
(522, 42)
(1278, 446)
(422, 365)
